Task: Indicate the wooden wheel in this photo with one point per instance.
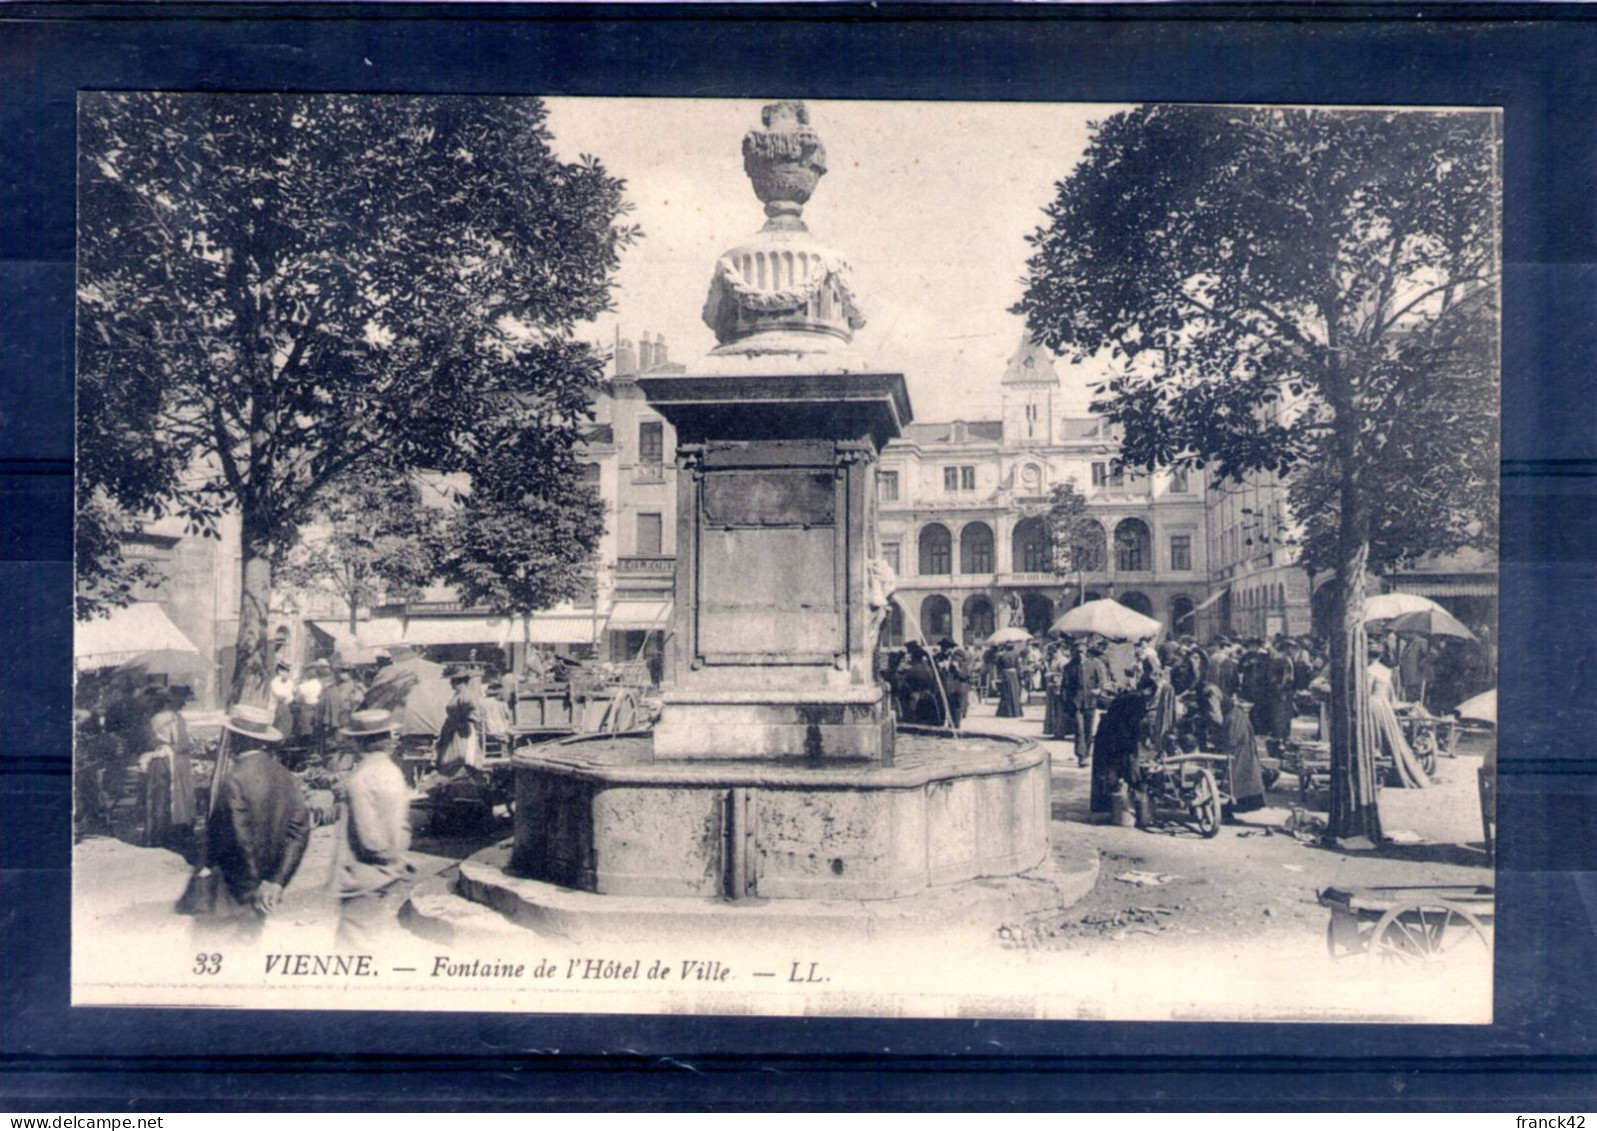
(1204, 805)
(1424, 746)
(1422, 933)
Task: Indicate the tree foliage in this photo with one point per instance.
(1076, 539)
(1307, 292)
(368, 541)
(302, 287)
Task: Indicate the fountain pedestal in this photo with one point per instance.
(775, 623)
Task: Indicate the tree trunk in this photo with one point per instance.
(1355, 811)
(252, 675)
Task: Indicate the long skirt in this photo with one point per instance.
(1114, 750)
(1389, 734)
(1247, 777)
(1009, 700)
(1053, 715)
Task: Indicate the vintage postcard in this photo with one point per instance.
(782, 557)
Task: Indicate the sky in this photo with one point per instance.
(929, 201)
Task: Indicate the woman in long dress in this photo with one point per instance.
(1009, 700)
(1387, 730)
(169, 780)
(1241, 745)
(1114, 750)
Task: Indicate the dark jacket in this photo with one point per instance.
(1084, 677)
(259, 826)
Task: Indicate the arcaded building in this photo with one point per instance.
(962, 506)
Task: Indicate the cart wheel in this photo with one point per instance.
(1421, 933)
(1424, 746)
(1205, 803)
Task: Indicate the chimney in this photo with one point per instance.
(659, 349)
(645, 353)
(626, 359)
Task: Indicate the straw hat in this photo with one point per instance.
(252, 722)
(369, 723)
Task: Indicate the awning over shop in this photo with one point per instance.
(361, 645)
(132, 631)
(640, 616)
(461, 630)
(550, 629)
(1427, 587)
(1211, 598)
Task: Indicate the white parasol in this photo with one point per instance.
(1482, 708)
(1109, 619)
(1389, 605)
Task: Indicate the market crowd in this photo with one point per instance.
(1122, 705)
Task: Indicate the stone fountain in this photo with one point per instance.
(774, 783)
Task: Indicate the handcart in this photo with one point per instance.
(1410, 926)
(1184, 789)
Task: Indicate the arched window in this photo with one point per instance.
(979, 619)
(892, 635)
(976, 548)
(1182, 611)
(1133, 546)
(1039, 612)
(936, 618)
(1030, 546)
(936, 546)
(1137, 602)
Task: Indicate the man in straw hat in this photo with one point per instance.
(371, 875)
(256, 834)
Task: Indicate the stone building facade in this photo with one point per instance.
(1259, 587)
(962, 505)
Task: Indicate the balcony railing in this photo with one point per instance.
(648, 473)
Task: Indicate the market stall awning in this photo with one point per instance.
(461, 630)
(1211, 598)
(1440, 587)
(640, 616)
(126, 633)
(550, 628)
(361, 645)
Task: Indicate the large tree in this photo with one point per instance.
(1312, 293)
(306, 287)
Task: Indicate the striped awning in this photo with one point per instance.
(551, 628)
(1444, 587)
(126, 633)
(640, 616)
(461, 630)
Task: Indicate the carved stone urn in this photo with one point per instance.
(785, 160)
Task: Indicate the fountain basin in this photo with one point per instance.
(604, 815)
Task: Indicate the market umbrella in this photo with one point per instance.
(1431, 622)
(1009, 634)
(1482, 708)
(414, 688)
(1389, 605)
(1109, 619)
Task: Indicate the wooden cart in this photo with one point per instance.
(1404, 926)
(1189, 789)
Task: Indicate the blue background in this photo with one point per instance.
(1537, 62)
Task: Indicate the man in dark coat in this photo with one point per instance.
(1280, 682)
(954, 667)
(257, 832)
(1223, 671)
(1084, 680)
